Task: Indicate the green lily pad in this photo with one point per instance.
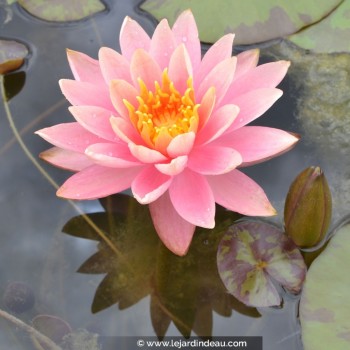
(12, 55)
(253, 21)
(251, 256)
(324, 305)
(329, 35)
(62, 10)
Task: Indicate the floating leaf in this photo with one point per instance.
(251, 255)
(62, 10)
(329, 35)
(13, 84)
(12, 55)
(252, 21)
(53, 327)
(324, 305)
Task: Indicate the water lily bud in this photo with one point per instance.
(308, 208)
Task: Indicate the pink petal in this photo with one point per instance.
(114, 65)
(132, 37)
(206, 107)
(258, 143)
(267, 75)
(217, 124)
(214, 160)
(125, 130)
(181, 145)
(85, 94)
(145, 154)
(185, 31)
(193, 199)
(220, 77)
(253, 104)
(237, 192)
(175, 167)
(149, 185)
(175, 232)
(84, 68)
(114, 155)
(218, 52)
(121, 90)
(144, 67)
(66, 159)
(180, 68)
(95, 120)
(69, 136)
(96, 182)
(246, 61)
(162, 44)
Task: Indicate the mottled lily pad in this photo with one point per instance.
(324, 305)
(62, 10)
(12, 55)
(253, 21)
(329, 35)
(251, 256)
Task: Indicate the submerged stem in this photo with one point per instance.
(30, 330)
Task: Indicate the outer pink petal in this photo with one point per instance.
(181, 145)
(220, 77)
(66, 159)
(253, 104)
(125, 131)
(186, 32)
(97, 182)
(144, 67)
(84, 68)
(95, 120)
(133, 37)
(114, 65)
(180, 68)
(237, 192)
(267, 75)
(218, 123)
(246, 61)
(112, 155)
(162, 44)
(69, 136)
(149, 185)
(175, 232)
(258, 143)
(214, 160)
(85, 94)
(193, 199)
(175, 167)
(121, 90)
(145, 154)
(218, 52)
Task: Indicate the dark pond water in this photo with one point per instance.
(35, 251)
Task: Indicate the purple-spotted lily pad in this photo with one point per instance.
(62, 10)
(252, 21)
(12, 55)
(252, 256)
(329, 35)
(324, 305)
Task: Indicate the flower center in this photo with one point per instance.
(164, 113)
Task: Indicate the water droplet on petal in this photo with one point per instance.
(184, 39)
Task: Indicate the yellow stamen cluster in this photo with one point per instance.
(164, 113)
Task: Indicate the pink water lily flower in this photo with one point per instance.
(170, 125)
